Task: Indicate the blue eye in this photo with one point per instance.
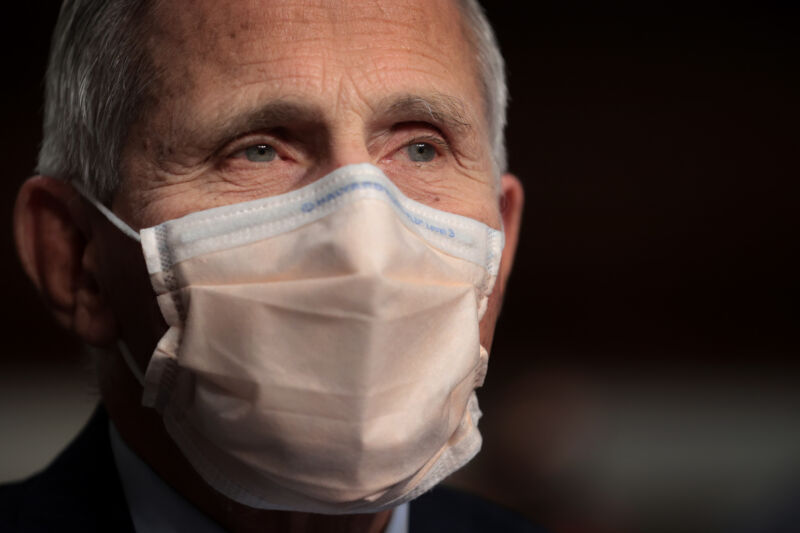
(421, 152)
(260, 153)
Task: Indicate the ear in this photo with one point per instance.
(54, 243)
(512, 200)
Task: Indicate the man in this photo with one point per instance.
(299, 353)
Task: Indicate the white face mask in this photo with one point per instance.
(323, 345)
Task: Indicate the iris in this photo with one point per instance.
(260, 153)
(421, 152)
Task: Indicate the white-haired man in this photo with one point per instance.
(286, 228)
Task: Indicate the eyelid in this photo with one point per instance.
(438, 142)
(432, 130)
(420, 130)
(254, 139)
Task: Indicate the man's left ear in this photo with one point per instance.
(56, 248)
(512, 199)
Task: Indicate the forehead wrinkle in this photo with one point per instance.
(234, 65)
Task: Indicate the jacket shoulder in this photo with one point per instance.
(11, 497)
(79, 491)
(446, 509)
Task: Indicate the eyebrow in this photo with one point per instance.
(275, 114)
(446, 112)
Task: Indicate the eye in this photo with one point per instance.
(260, 153)
(421, 152)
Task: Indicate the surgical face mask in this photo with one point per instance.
(323, 345)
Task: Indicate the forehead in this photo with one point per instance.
(211, 52)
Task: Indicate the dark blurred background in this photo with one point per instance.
(644, 373)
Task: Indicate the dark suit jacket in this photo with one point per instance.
(81, 491)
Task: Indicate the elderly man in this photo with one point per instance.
(285, 228)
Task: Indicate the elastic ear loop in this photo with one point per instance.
(127, 356)
(114, 219)
(131, 362)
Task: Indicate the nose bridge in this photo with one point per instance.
(348, 146)
(348, 140)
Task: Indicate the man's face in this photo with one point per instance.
(316, 85)
(255, 99)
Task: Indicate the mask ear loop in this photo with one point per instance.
(129, 360)
(114, 219)
(127, 356)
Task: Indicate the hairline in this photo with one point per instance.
(94, 159)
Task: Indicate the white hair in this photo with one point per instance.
(492, 74)
(99, 74)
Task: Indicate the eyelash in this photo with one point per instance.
(255, 140)
(437, 141)
(430, 139)
(441, 145)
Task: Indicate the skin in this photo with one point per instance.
(323, 84)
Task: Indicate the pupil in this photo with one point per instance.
(260, 153)
(421, 152)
